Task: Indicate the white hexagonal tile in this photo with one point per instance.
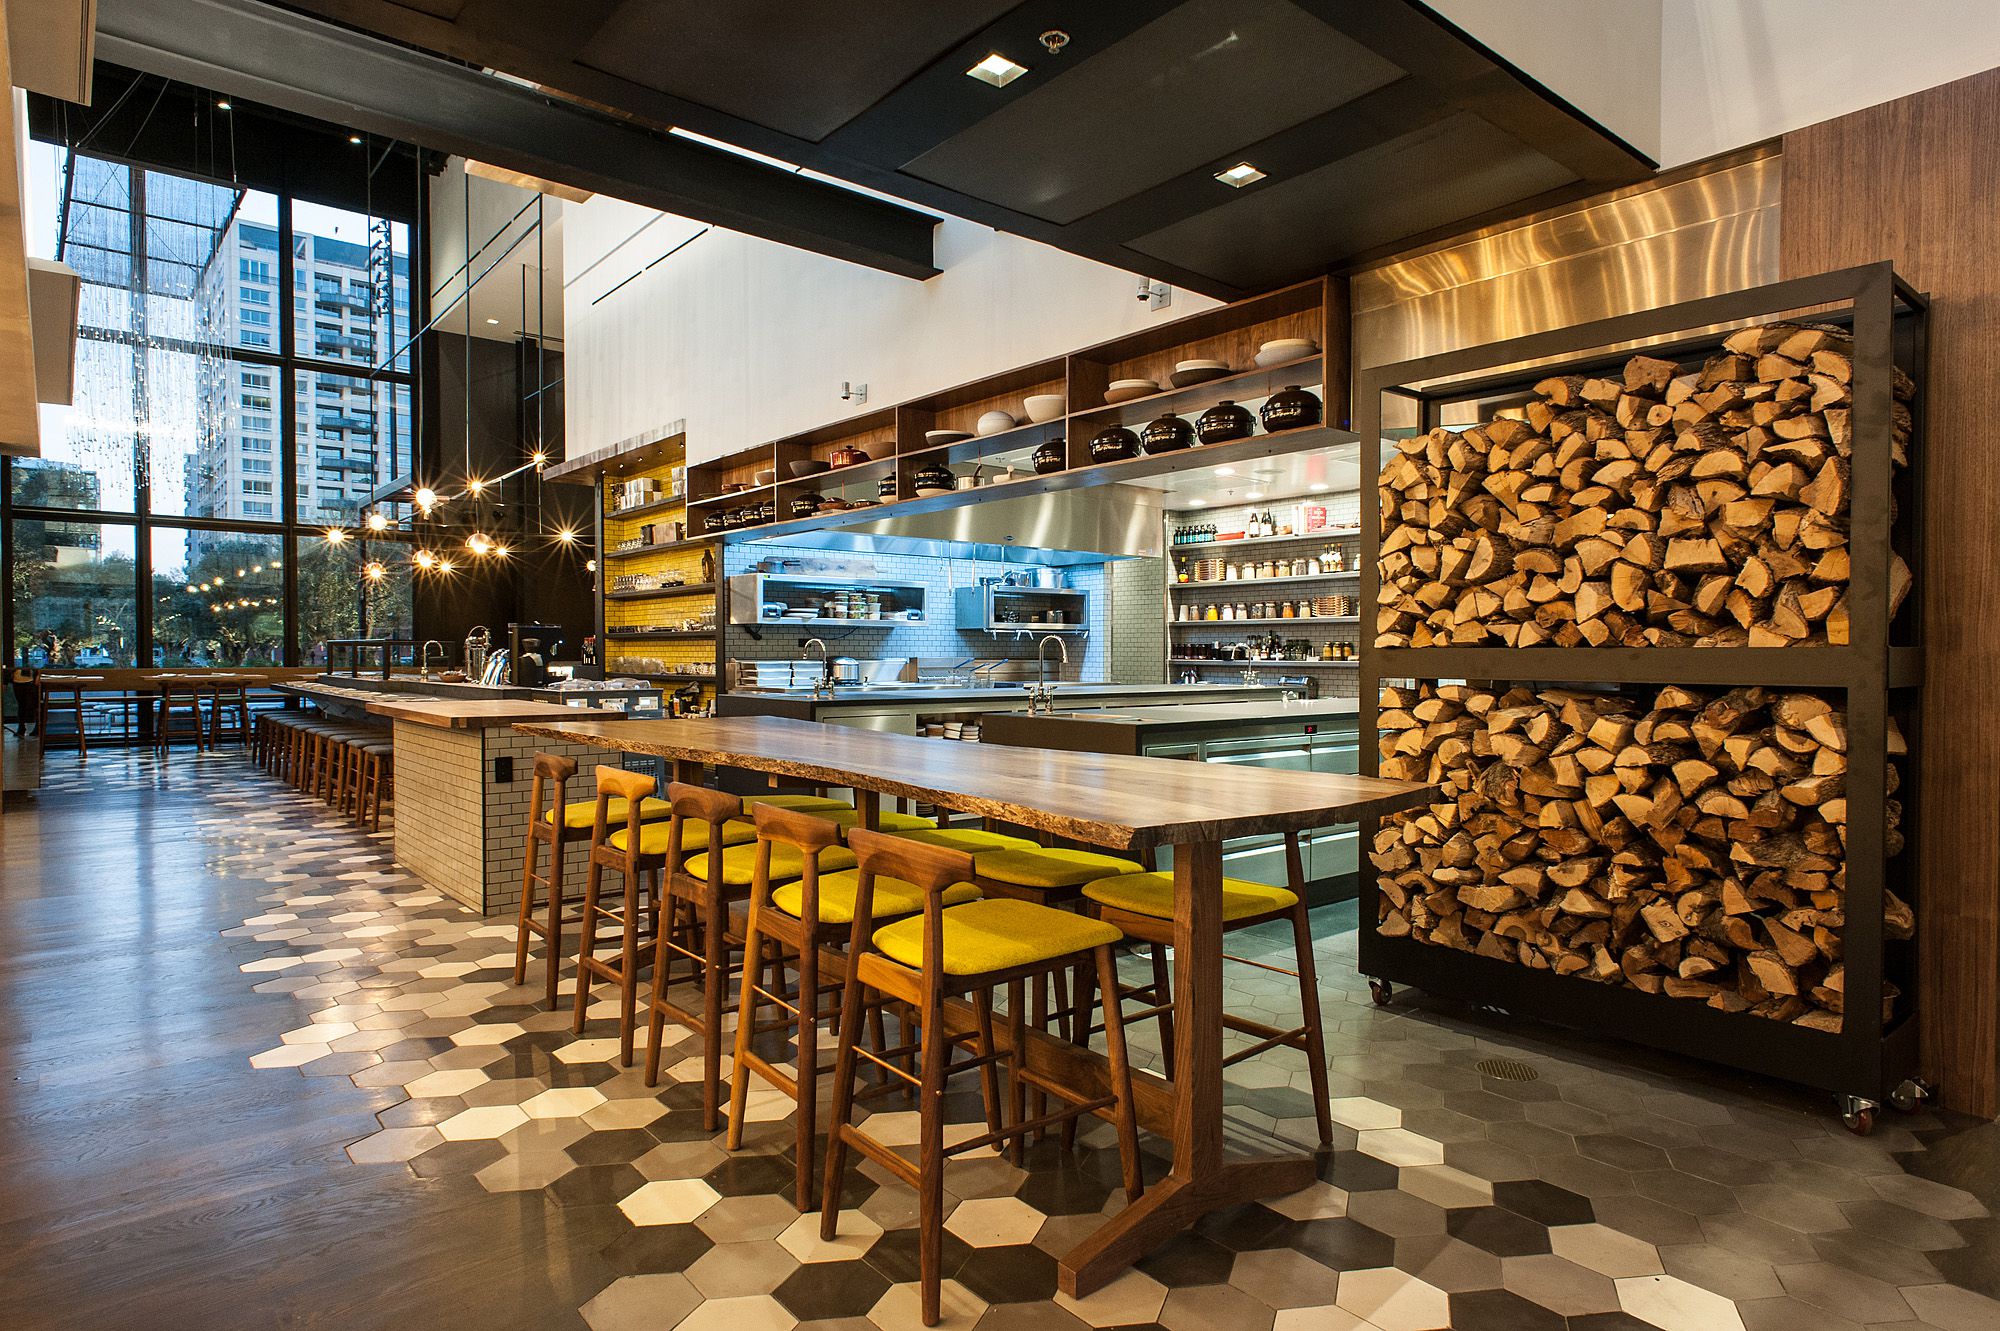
(641, 1303)
(1132, 1298)
(615, 1114)
(496, 1033)
(1393, 1300)
(754, 1312)
(589, 1051)
(995, 1222)
(855, 1236)
(325, 1032)
(455, 1082)
(1360, 1113)
(1604, 1250)
(669, 1202)
(289, 1055)
(1318, 1200)
(1672, 1304)
(393, 1145)
(447, 970)
(1328, 1318)
(1399, 1146)
(901, 1308)
(566, 1102)
(483, 1123)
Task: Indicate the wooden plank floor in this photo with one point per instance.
(149, 1175)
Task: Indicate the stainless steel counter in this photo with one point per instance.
(898, 709)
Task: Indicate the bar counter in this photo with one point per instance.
(462, 782)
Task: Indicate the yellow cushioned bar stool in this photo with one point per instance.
(1142, 907)
(696, 929)
(552, 777)
(949, 952)
(797, 803)
(739, 863)
(614, 783)
(969, 839)
(786, 927)
(581, 815)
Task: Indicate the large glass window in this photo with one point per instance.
(212, 439)
(74, 593)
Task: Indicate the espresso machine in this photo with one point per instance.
(530, 648)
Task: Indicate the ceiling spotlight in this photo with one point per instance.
(1253, 495)
(375, 572)
(224, 105)
(1318, 485)
(1196, 503)
(354, 138)
(426, 499)
(377, 522)
(1236, 177)
(997, 70)
(1225, 471)
(493, 321)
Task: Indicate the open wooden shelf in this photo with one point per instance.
(657, 593)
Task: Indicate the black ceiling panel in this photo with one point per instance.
(1196, 84)
(1376, 121)
(803, 70)
(1459, 167)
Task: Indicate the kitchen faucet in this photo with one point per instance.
(823, 689)
(1042, 696)
(424, 666)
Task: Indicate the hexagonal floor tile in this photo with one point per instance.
(1604, 1250)
(754, 1312)
(393, 1145)
(641, 1303)
(1393, 1300)
(573, 1102)
(489, 1121)
(900, 1309)
(1132, 1298)
(855, 1235)
(455, 1082)
(995, 1222)
(669, 1202)
(1672, 1304)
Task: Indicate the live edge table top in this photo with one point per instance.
(1107, 800)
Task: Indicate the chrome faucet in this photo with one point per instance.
(1042, 696)
(424, 666)
(1250, 680)
(824, 688)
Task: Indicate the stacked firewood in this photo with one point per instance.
(1660, 508)
(1693, 847)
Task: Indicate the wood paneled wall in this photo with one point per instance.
(1917, 181)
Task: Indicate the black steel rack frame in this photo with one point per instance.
(1875, 676)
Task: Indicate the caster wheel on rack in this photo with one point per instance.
(1381, 991)
(1858, 1115)
(1912, 1095)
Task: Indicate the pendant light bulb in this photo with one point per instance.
(378, 522)
(426, 499)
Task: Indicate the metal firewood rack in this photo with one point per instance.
(1875, 677)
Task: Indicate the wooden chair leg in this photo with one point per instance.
(746, 1022)
(1121, 1075)
(522, 925)
(1162, 991)
(930, 1163)
(554, 882)
(714, 986)
(586, 942)
(843, 1107)
(1315, 1026)
(628, 967)
(807, 1078)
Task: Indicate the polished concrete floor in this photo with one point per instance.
(257, 1076)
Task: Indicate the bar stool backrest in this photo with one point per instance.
(714, 807)
(632, 787)
(930, 869)
(806, 834)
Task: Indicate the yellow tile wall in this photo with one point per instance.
(632, 614)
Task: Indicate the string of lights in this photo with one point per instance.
(429, 503)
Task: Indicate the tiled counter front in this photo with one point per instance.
(462, 831)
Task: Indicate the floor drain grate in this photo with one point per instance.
(1507, 1069)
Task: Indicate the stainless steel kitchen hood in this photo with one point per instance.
(1084, 526)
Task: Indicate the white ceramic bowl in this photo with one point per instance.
(1285, 349)
(1045, 406)
(936, 437)
(993, 422)
(1124, 390)
(1200, 364)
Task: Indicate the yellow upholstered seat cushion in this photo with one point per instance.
(653, 837)
(1047, 867)
(797, 803)
(971, 840)
(1152, 894)
(996, 934)
(885, 820)
(739, 863)
(893, 897)
(581, 815)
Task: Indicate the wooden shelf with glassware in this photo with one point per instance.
(657, 599)
(1073, 419)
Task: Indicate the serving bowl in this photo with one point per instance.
(993, 422)
(765, 477)
(1044, 406)
(1187, 373)
(810, 467)
(1279, 350)
(937, 437)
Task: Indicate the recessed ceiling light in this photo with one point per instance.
(1236, 177)
(997, 70)
(1196, 503)
(1225, 471)
(354, 138)
(1319, 485)
(1254, 494)
(493, 321)
(223, 105)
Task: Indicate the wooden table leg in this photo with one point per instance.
(1200, 1180)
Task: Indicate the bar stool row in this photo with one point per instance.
(350, 766)
(944, 930)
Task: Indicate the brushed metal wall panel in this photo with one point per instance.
(1635, 249)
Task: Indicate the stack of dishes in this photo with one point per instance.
(1188, 373)
(1283, 349)
(1124, 390)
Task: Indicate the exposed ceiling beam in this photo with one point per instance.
(314, 68)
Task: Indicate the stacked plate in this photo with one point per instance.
(1124, 390)
(1284, 349)
(1188, 373)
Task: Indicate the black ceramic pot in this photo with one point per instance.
(1168, 434)
(805, 505)
(1222, 422)
(1049, 457)
(1114, 445)
(933, 476)
(1290, 409)
(886, 488)
(713, 521)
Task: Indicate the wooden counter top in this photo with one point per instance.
(446, 713)
(1105, 799)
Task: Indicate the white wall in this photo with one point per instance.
(750, 340)
(1737, 72)
(1600, 56)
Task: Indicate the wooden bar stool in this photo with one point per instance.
(60, 697)
(697, 927)
(614, 783)
(947, 952)
(799, 918)
(1142, 907)
(376, 779)
(559, 824)
(178, 698)
(224, 697)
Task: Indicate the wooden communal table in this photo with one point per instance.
(1109, 800)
